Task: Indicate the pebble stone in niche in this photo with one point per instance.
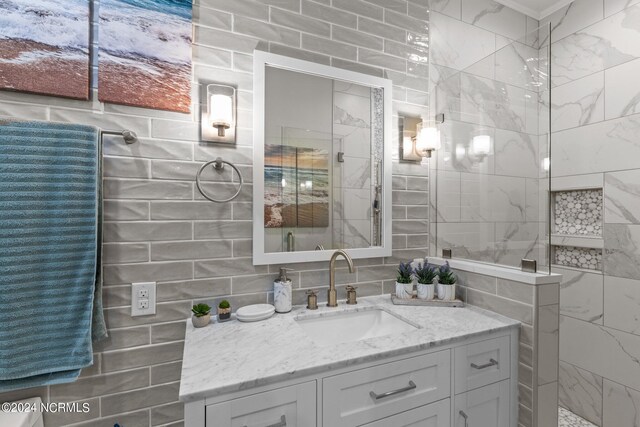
(578, 212)
(586, 258)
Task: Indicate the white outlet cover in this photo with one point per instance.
(143, 298)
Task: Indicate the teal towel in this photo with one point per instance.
(49, 198)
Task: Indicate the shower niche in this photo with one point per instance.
(576, 228)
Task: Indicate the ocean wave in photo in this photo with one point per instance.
(145, 53)
(44, 47)
(158, 30)
(63, 24)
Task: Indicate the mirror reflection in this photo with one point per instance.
(323, 151)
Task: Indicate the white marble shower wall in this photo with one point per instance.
(595, 46)
(487, 71)
(353, 136)
(485, 76)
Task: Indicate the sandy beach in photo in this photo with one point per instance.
(33, 67)
(36, 56)
(145, 53)
(160, 86)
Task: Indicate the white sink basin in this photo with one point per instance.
(352, 326)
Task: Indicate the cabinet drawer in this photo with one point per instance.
(483, 407)
(481, 363)
(366, 395)
(434, 415)
(289, 406)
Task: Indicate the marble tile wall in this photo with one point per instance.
(485, 71)
(595, 47)
(158, 227)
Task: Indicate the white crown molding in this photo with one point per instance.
(556, 7)
(535, 14)
(521, 8)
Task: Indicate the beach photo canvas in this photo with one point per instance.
(296, 187)
(144, 55)
(44, 47)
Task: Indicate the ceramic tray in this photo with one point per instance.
(424, 302)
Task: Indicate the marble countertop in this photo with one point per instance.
(232, 356)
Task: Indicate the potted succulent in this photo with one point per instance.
(425, 275)
(446, 283)
(224, 310)
(201, 315)
(404, 281)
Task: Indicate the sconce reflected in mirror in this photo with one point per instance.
(546, 164)
(218, 113)
(418, 139)
(481, 145)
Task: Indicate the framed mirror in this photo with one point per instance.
(322, 162)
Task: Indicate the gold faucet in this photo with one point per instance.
(332, 297)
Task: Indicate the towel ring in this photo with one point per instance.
(218, 164)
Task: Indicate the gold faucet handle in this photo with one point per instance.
(351, 294)
(312, 299)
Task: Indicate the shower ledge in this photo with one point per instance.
(498, 271)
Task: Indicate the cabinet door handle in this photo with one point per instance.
(466, 418)
(281, 423)
(411, 386)
(492, 362)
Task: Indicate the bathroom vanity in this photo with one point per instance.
(374, 364)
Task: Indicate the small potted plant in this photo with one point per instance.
(425, 275)
(404, 281)
(446, 283)
(201, 315)
(224, 310)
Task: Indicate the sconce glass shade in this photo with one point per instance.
(481, 145)
(427, 139)
(221, 107)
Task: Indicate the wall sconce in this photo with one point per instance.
(427, 139)
(419, 138)
(219, 113)
(481, 145)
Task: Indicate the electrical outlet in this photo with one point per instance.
(143, 298)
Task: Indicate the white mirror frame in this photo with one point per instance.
(260, 61)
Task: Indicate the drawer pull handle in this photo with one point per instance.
(466, 418)
(492, 362)
(281, 423)
(375, 396)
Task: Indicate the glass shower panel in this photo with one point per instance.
(490, 194)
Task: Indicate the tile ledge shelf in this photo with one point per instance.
(591, 242)
(499, 271)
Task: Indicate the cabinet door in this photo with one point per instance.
(433, 415)
(365, 395)
(293, 406)
(483, 407)
(482, 363)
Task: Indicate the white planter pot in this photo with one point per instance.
(446, 292)
(404, 290)
(426, 291)
(202, 321)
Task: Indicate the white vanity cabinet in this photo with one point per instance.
(293, 406)
(487, 406)
(470, 383)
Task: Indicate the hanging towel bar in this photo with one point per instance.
(130, 137)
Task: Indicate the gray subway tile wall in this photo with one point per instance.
(158, 227)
